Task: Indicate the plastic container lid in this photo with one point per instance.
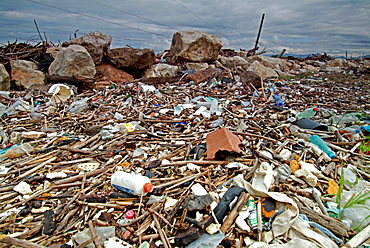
(130, 214)
(148, 187)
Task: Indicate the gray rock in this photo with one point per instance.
(234, 63)
(335, 62)
(161, 70)
(263, 71)
(4, 79)
(196, 66)
(270, 62)
(195, 46)
(96, 43)
(311, 68)
(131, 57)
(26, 73)
(73, 61)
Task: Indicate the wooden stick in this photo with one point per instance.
(19, 242)
(36, 168)
(80, 177)
(243, 198)
(93, 233)
(358, 238)
(162, 234)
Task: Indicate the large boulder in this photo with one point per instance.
(131, 57)
(263, 71)
(4, 79)
(107, 72)
(26, 73)
(161, 70)
(73, 61)
(195, 46)
(96, 44)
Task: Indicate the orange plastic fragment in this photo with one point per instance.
(222, 140)
(333, 187)
(60, 139)
(294, 165)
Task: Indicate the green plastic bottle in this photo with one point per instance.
(307, 113)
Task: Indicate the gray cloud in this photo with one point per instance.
(301, 27)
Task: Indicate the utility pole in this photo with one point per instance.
(258, 35)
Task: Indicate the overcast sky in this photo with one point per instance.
(301, 27)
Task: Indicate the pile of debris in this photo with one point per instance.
(123, 148)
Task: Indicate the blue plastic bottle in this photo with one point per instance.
(279, 101)
(315, 139)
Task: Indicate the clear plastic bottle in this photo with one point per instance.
(131, 183)
(307, 113)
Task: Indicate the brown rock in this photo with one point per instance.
(107, 72)
(195, 46)
(131, 57)
(26, 73)
(204, 75)
(249, 78)
(96, 43)
(4, 79)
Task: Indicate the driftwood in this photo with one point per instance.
(334, 225)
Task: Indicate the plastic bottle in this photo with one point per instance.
(279, 101)
(252, 218)
(217, 123)
(315, 139)
(131, 183)
(17, 151)
(79, 106)
(307, 113)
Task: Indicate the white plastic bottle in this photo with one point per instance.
(131, 183)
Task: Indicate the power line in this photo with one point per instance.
(128, 13)
(204, 21)
(95, 18)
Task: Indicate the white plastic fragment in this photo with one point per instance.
(114, 242)
(240, 221)
(4, 170)
(88, 166)
(259, 245)
(23, 188)
(198, 190)
(263, 177)
(53, 175)
(310, 167)
(213, 228)
(285, 154)
(307, 175)
(39, 210)
(9, 214)
(170, 202)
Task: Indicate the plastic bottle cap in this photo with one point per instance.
(130, 214)
(148, 187)
(315, 109)
(332, 155)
